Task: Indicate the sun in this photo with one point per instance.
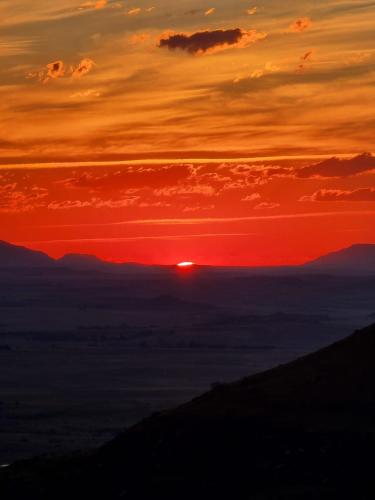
(185, 265)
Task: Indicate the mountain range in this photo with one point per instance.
(357, 259)
(301, 430)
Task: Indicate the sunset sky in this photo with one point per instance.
(163, 131)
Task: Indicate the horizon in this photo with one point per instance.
(188, 265)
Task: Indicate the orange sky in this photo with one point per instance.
(163, 131)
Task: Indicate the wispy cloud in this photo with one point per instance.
(336, 195)
(266, 205)
(173, 237)
(95, 4)
(210, 11)
(221, 220)
(134, 11)
(300, 25)
(84, 67)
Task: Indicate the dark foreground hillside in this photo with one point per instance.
(303, 430)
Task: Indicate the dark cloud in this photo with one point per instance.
(363, 194)
(211, 41)
(305, 60)
(334, 167)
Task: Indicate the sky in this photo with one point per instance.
(224, 133)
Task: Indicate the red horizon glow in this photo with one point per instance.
(261, 214)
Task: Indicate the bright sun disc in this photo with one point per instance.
(185, 264)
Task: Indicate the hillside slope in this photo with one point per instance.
(13, 256)
(355, 259)
(303, 430)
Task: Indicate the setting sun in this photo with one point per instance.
(185, 265)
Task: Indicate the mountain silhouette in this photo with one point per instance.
(355, 259)
(358, 259)
(91, 262)
(302, 430)
(13, 256)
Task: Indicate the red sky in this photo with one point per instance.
(229, 213)
(167, 131)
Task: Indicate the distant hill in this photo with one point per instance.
(355, 259)
(91, 262)
(12, 256)
(302, 430)
(18, 257)
(358, 259)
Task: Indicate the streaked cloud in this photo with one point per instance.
(98, 4)
(93, 203)
(197, 189)
(227, 220)
(266, 205)
(251, 197)
(21, 199)
(134, 11)
(336, 195)
(305, 60)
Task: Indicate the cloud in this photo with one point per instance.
(363, 194)
(221, 220)
(266, 206)
(86, 94)
(211, 41)
(134, 12)
(84, 67)
(300, 25)
(130, 177)
(252, 197)
(98, 4)
(268, 68)
(335, 167)
(93, 203)
(53, 71)
(138, 238)
(198, 189)
(56, 69)
(14, 199)
(139, 38)
(305, 60)
(198, 208)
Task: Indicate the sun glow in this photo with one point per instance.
(185, 265)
